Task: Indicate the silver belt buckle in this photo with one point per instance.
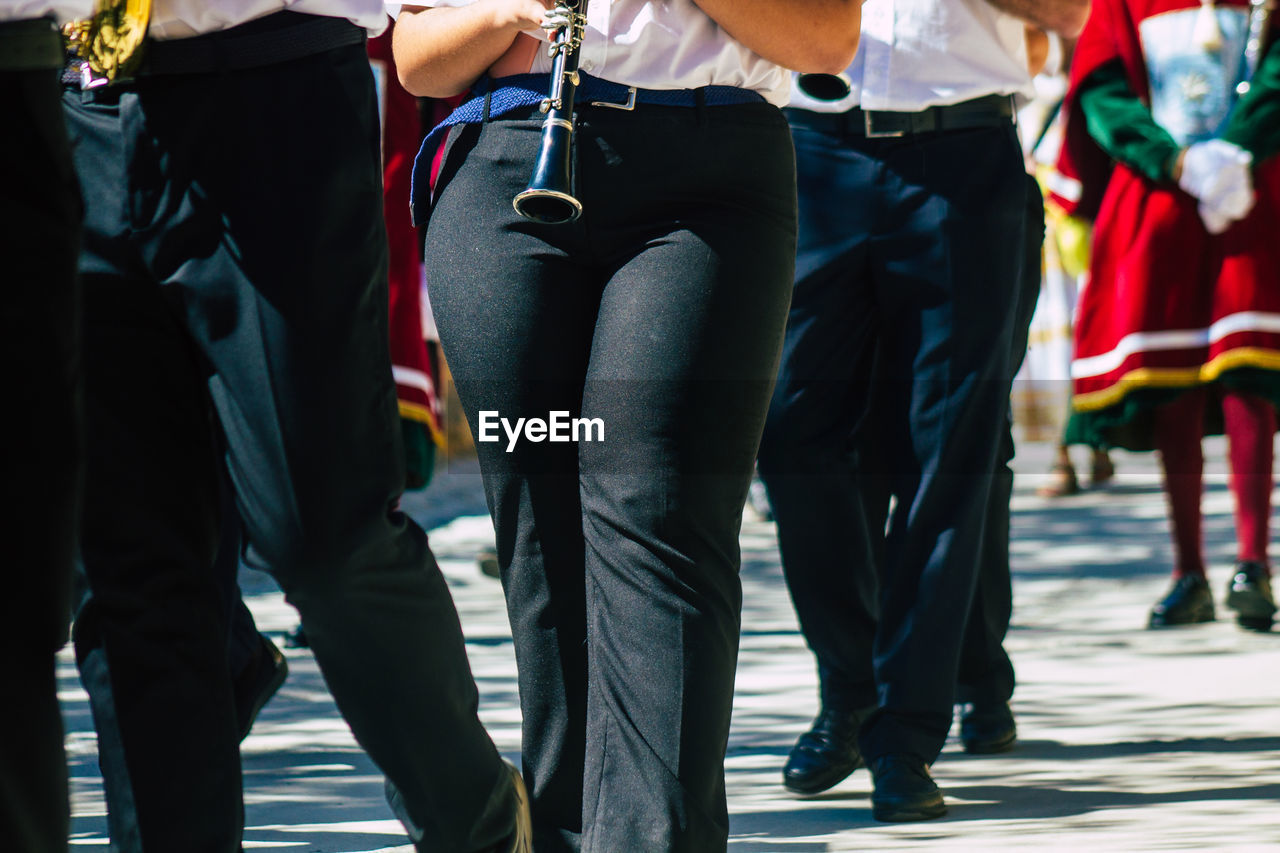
(874, 134)
(628, 106)
(89, 80)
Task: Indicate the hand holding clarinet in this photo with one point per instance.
(549, 197)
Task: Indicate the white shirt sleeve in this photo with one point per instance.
(393, 9)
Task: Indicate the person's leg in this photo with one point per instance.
(285, 295)
(945, 383)
(817, 489)
(516, 323)
(40, 328)
(682, 365)
(1101, 468)
(1063, 480)
(986, 678)
(256, 666)
(1250, 422)
(821, 394)
(150, 632)
(1179, 428)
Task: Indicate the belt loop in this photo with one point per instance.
(700, 105)
(488, 99)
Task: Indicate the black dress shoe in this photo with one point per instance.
(257, 683)
(1249, 595)
(1188, 601)
(824, 755)
(987, 727)
(904, 790)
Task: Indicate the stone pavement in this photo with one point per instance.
(1129, 739)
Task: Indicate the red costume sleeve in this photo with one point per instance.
(401, 135)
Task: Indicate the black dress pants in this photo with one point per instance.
(39, 240)
(660, 312)
(986, 673)
(906, 285)
(235, 279)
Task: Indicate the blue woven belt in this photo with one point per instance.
(529, 90)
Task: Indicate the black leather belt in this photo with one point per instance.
(30, 45)
(987, 111)
(279, 37)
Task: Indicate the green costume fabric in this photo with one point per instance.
(1122, 125)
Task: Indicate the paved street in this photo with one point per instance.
(1129, 739)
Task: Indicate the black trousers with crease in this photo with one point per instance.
(235, 280)
(660, 312)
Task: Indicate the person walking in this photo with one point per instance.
(235, 278)
(913, 200)
(40, 208)
(1177, 333)
(656, 314)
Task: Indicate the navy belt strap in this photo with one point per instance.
(528, 90)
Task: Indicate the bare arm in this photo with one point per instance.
(441, 51)
(1037, 49)
(815, 36)
(1064, 17)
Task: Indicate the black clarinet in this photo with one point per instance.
(549, 197)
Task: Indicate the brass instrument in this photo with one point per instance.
(110, 43)
(549, 197)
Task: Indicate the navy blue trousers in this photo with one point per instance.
(986, 673)
(896, 366)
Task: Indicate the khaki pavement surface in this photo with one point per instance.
(1130, 739)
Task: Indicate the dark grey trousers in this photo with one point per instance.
(661, 313)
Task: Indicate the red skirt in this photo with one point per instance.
(1170, 307)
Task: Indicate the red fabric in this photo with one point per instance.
(1156, 270)
(1178, 434)
(1111, 33)
(401, 135)
(440, 111)
(1250, 423)
(1250, 426)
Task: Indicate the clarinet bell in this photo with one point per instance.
(548, 198)
(551, 207)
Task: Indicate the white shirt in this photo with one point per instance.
(63, 10)
(661, 44)
(922, 53)
(182, 18)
